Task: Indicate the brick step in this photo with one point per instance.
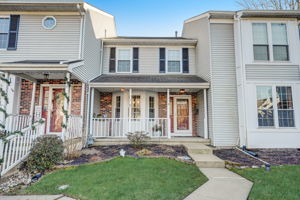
(208, 161)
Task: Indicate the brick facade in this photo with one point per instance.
(106, 104)
(26, 93)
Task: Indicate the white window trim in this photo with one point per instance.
(270, 42)
(167, 59)
(275, 108)
(117, 60)
(6, 17)
(47, 27)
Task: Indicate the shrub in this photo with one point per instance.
(137, 139)
(45, 153)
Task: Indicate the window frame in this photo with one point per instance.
(275, 106)
(167, 60)
(117, 60)
(154, 106)
(55, 22)
(270, 42)
(133, 117)
(6, 17)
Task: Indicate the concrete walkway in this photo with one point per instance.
(36, 197)
(222, 185)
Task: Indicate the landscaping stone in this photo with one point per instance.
(10, 183)
(63, 187)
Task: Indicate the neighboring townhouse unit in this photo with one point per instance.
(251, 60)
(149, 84)
(54, 49)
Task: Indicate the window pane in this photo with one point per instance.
(279, 34)
(265, 111)
(261, 52)
(123, 66)
(281, 52)
(124, 54)
(3, 40)
(260, 33)
(285, 106)
(173, 66)
(151, 107)
(136, 107)
(174, 55)
(4, 25)
(118, 107)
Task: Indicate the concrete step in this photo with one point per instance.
(198, 148)
(208, 161)
(172, 141)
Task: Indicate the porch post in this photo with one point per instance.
(32, 104)
(66, 103)
(91, 132)
(205, 114)
(129, 112)
(3, 103)
(168, 113)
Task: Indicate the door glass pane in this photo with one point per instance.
(118, 107)
(285, 106)
(57, 113)
(151, 107)
(136, 107)
(182, 114)
(265, 112)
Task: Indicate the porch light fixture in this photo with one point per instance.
(182, 91)
(46, 76)
(122, 89)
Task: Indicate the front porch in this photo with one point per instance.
(160, 112)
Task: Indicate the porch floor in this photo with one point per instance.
(172, 141)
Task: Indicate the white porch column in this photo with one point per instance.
(130, 110)
(66, 102)
(32, 104)
(205, 114)
(3, 103)
(168, 113)
(82, 99)
(92, 99)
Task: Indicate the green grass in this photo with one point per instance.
(282, 182)
(124, 178)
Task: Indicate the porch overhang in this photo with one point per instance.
(149, 81)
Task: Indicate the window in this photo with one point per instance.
(265, 112)
(285, 107)
(49, 22)
(4, 29)
(280, 44)
(118, 107)
(174, 61)
(260, 41)
(151, 108)
(124, 60)
(136, 107)
(266, 109)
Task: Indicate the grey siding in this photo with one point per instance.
(149, 60)
(224, 92)
(272, 72)
(35, 42)
(200, 103)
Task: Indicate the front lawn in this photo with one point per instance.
(124, 178)
(282, 182)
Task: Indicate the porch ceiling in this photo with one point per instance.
(175, 90)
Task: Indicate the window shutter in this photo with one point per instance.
(185, 60)
(162, 60)
(135, 60)
(13, 32)
(112, 60)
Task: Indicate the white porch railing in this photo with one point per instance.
(74, 129)
(18, 146)
(114, 127)
(17, 122)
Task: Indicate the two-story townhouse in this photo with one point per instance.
(251, 60)
(149, 84)
(54, 49)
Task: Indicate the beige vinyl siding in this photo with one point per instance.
(200, 123)
(37, 43)
(224, 91)
(148, 60)
(272, 72)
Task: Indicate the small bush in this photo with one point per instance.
(45, 153)
(137, 139)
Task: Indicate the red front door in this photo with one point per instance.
(56, 117)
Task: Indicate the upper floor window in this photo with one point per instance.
(49, 22)
(270, 42)
(174, 61)
(4, 32)
(124, 60)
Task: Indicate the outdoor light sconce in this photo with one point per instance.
(181, 91)
(46, 76)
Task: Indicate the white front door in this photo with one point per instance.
(182, 117)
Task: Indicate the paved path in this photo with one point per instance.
(36, 197)
(222, 185)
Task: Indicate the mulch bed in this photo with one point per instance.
(102, 153)
(274, 157)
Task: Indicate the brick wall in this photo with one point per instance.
(106, 104)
